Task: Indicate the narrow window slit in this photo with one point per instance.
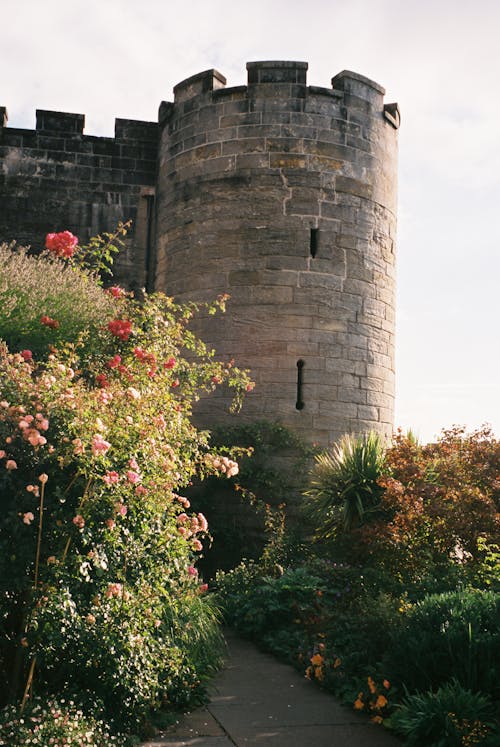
(299, 405)
(313, 242)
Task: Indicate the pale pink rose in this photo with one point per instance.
(132, 463)
(192, 571)
(196, 545)
(90, 618)
(203, 523)
(182, 518)
(2, 454)
(79, 521)
(113, 590)
(110, 523)
(51, 559)
(120, 509)
(79, 448)
(141, 490)
(111, 478)
(43, 478)
(10, 464)
(203, 588)
(133, 477)
(133, 393)
(99, 445)
(28, 517)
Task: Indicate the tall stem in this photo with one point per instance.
(39, 539)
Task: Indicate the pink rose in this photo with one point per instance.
(99, 445)
(10, 464)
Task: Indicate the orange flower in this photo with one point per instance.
(308, 673)
(377, 719)
(358, 703)
(381, 701)
(317, 660)
(337, 663)
(372, 685)
(386, 684)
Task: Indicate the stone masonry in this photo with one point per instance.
(281, 194)
(55, 178)
(284, 196)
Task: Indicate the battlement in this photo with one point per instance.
(67, 124)
(279, 79)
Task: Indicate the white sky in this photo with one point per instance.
(440, 59)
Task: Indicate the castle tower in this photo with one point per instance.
(284, 196)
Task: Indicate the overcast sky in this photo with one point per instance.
(439, 59)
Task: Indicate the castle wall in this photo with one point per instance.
(55, 178)
(284, 196)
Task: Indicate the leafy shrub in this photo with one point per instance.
(344, 490)
(98, 586)
(53, 722)
(272, 468)
(449, 635)
(440, 510)
(453, 716)
(45, 288)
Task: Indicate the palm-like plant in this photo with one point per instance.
(344, 484)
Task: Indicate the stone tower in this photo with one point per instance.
(284, 196)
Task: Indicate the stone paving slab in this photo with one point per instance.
(258, 701)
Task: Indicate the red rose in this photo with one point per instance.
(61, 244)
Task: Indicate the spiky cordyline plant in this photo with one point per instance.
(344, 489)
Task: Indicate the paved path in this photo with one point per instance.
(256, 700)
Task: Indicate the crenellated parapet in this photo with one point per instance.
(55, 177)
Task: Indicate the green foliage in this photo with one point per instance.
(44, 286)
(452, 716)
(260, 500)
(344, 490)
(54, 722)
(99, 592)
(98, 255)
(354, 611)
(454, 634)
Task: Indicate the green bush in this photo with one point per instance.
(54, 722)
(272, 472)
(99, 591)
(344, 490)
(449, 635)
(33, 288)
(450, 717)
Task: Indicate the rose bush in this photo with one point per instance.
(98, 597)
